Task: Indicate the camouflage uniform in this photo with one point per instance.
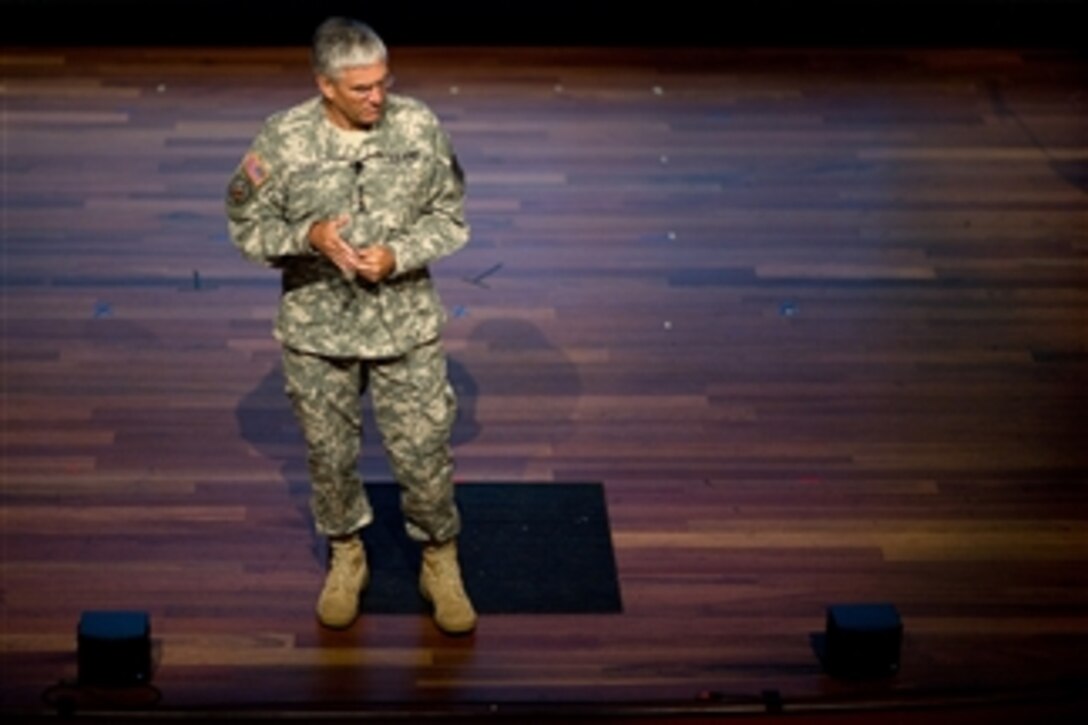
(402, 187)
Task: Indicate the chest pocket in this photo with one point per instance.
(321, 190)
(397, 187)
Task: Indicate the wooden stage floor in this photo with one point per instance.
(817, 320)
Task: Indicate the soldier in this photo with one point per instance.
(351, 195)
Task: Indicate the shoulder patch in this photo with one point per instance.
(240, 189)
(458, 170)
(255, 168)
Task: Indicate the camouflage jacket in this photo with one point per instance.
(401, 185)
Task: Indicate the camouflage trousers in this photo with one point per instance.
(414, 407)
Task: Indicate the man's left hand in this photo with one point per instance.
(376, 263)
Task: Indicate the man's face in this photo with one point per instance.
(356, 96)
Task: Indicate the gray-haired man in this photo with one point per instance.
(352, 194)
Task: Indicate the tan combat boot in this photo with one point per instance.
(440, 583)
(338, 604)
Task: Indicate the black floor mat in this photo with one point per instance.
(525, 548)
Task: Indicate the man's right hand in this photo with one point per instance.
(325, 237)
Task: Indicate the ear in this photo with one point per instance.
(325, 84)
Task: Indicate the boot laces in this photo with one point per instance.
(340, 570)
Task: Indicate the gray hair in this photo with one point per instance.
(341, 43)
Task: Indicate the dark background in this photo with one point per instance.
(811, 23)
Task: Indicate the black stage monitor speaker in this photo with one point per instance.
(862, 640)
(114, 648)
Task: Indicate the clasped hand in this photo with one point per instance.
(371, 263)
